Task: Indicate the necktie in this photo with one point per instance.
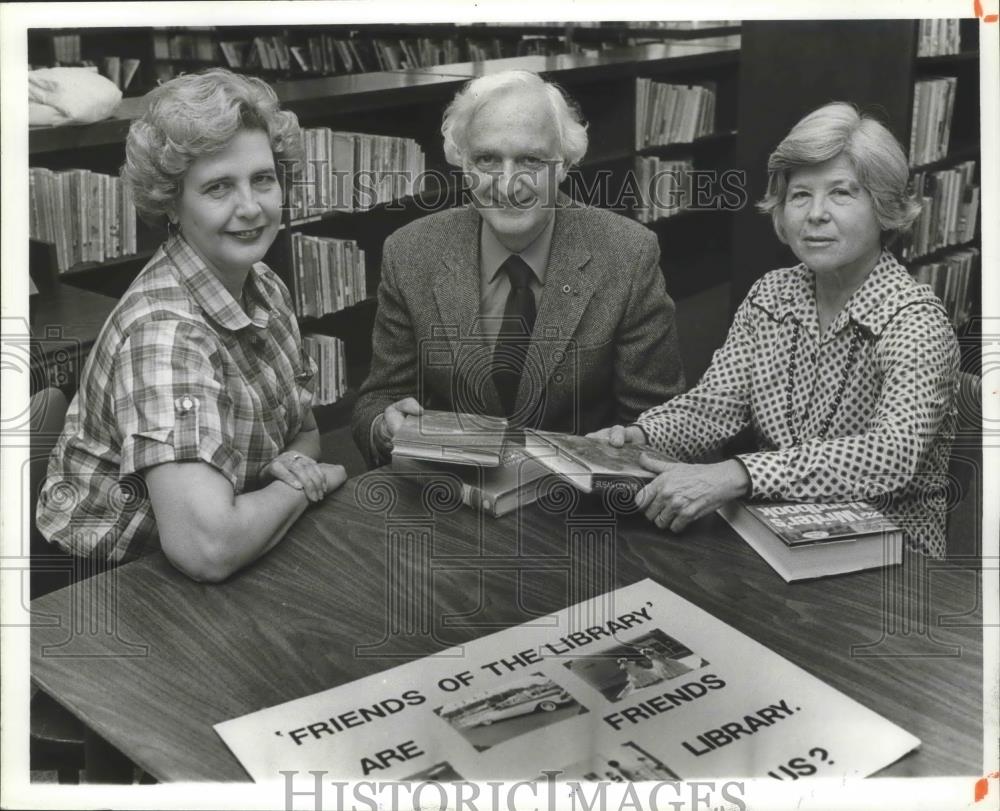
(515, 331)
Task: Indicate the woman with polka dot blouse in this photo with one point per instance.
(843, 367)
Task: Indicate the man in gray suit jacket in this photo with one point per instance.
(524, 305)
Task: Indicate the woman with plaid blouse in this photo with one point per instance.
(192, 430)
(842, 367)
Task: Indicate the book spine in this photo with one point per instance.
(473, 497)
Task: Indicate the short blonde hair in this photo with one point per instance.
(477, 93)
(199, 114)
(877, 157)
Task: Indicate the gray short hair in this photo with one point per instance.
(194, 115)
(877, 157)
(478, 92)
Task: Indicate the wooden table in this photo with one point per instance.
(387, 569)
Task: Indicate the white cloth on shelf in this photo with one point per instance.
(70, 96)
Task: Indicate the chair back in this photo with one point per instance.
(965, 471)
(50, 567)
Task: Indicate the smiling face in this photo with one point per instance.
(229, 209)
(829, 220)
(513, 157)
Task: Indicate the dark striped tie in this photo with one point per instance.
(515, 331)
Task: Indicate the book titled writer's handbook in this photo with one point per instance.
(638, 684)
(801, 541)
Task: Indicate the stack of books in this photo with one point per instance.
(329, 274)
(938, 38)
(353, 171)
(933, 104)
(663, 187)
(499, 469)
(672, 113)
(950, 199)
(952, 276)
(89, 217)
(801, 541)
(328, 353)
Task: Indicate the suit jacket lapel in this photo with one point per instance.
(568, 288)
(457, 293)
(456, 289)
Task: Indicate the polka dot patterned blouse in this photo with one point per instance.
(864, 411)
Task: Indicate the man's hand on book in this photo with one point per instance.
(683, 493)
(618, 436)
(389, 421)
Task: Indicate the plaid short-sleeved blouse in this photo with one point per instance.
(866, 411)
(180, 372)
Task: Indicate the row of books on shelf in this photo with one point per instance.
(672, 113)
(353, 171)
(331, 54)
(331, 378)
(950, 212)
(662, 25)
(66, 48)
(938, 38)
(327, 54)
(198, 45)
(662, 186)
(329, 274)
(89, 217)
(933, 105)
(953, 277)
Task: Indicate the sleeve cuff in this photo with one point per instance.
(760, 470)
(376, 455)
(142, 451)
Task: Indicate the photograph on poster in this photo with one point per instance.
(637, 663)
(629, 763)
(514, 708)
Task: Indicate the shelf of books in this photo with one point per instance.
(942, 249)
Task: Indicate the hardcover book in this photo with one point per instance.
(803, 541)
(590, 463)
(495, 491)
(445, 436)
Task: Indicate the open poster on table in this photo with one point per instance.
(647, 687)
